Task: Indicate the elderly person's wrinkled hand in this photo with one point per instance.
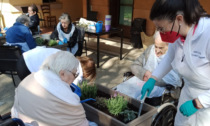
(147, 75)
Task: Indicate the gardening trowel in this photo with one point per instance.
(142, 102)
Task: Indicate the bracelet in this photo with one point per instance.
(194, 104)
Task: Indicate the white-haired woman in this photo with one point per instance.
(66, 32)
(46, 97)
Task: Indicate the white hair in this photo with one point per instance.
(23, 19)
(62, 60)
(156, 35)
(65, 16)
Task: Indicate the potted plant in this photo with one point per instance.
(115, 110)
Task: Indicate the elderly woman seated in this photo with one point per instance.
(46, 97)
(19, 34)
(31, 61)
(66, 32)
(142, 68)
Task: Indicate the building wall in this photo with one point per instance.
(206, 5)
(11, 9)
(102, 7)
(141, 10)
(73, 7)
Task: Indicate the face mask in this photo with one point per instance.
(170, 36)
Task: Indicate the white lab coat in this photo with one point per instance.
(35, 57)
(192, 61)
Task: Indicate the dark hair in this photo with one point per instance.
(167, 9)
(34, 8)
(88, 68)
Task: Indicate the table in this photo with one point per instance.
(111, 31)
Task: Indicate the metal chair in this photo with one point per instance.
(46, 12)
(92, 15)
(6, 120)
(81, 40)
(41, 19)
(9, 56)
(166, 104)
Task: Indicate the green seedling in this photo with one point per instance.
(88, 91)
(116, 104)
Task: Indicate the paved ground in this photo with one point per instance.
(109, 74)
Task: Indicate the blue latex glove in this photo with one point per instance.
(87, 100)
(60, 43)
(65, 40)
(148, 86)
(187, 109)
(6, 28)
(76, 89)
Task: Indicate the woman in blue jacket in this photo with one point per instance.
(19, 34)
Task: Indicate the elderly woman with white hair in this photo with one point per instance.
(143, 67)
(46, 97)
(66, 32)
(19, 34)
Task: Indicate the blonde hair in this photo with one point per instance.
(62, 60)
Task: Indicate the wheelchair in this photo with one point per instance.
(165, 104)
(6, 120)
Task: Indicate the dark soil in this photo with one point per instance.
(105, 110)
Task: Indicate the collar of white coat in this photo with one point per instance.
(53, 84)
(200, 28)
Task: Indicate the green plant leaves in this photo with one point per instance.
(116, 104)
(39, 41)
(129, 115)
(52, 42)
(88, 91)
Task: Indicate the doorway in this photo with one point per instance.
(122, 15)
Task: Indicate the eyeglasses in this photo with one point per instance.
(161, 29)
(74, 74)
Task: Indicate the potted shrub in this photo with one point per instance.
(99, 113)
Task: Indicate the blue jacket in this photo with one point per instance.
(20, 35)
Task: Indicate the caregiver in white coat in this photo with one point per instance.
(186, 26)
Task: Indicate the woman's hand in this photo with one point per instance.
(147, 75)
(148, 86)
(189, 108)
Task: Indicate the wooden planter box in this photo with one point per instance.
(103, 119)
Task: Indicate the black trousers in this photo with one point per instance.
(22, 69)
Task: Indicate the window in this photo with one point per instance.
(126, 12)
